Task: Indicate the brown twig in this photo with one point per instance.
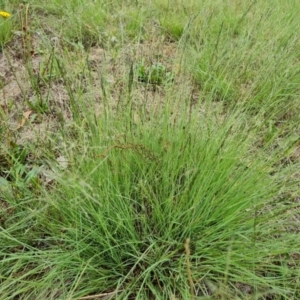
(98, 295)
(188, 267)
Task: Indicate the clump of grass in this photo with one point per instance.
(118, 218)
(172, 201)
(173, 27)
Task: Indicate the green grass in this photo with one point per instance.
(161, 189)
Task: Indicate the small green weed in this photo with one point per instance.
(154, 74)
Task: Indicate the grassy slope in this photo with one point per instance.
(105, 198)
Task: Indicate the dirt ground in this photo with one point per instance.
(24, 83)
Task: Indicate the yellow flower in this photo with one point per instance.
(5, 14)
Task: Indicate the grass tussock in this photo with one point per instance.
(149, 151)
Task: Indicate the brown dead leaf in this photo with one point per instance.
(26, 115)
